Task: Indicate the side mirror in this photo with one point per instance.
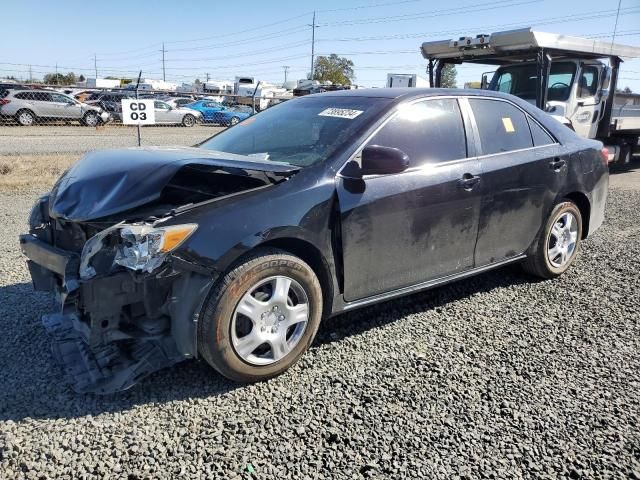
(379, 160)
(484, 83)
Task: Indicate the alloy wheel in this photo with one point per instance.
(562, 241)
(269, 320)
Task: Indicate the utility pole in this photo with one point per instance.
(30, 75)
(95, 65)
(163, 73)
(286, 69)
(313, 41)
(207, 77)
(56, 73)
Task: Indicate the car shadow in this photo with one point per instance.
(35, 387)
(633, 166)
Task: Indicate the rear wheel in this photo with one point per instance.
(188, 120)
(557, 244)
(26, 118)
(234, 121)
(261, 317)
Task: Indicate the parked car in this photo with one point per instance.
(177, 102)
(236, 250)
(111, 102)
(28, 107)
(165, 114)
(207, 108)
(230, 116)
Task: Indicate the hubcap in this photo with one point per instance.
(26, 118)
(563, 239)
(269, 320)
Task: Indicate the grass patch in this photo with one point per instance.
(20, 172)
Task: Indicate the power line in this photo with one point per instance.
(615, 27)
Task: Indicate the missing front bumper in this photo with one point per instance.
(105, 369)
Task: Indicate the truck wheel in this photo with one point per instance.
(91, 119)
(261, 317)
(557, 245)
(625, 155)
(26, 118)
(188, 120)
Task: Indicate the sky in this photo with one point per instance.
(260, 38)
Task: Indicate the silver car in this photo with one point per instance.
(166, 114)
(28, 107)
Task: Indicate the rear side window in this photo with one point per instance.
(430, 131)
(539, 134)
(502, 126)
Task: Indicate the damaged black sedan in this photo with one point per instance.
(235, 250)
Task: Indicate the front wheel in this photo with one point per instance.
(261, 317)
(91, 119)
(189, 120)
(557, 244)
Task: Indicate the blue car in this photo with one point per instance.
(230, 116)
(207, 108)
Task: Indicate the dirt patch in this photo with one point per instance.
(20, 172)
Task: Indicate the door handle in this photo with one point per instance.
(557, 163)
(468, 181)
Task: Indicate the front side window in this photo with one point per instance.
(520, 80)
(502, 126)
(429, 131)
(161, 106)
(588, 85)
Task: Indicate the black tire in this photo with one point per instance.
(538, 262)
(91, 119)
(23, 115)
(234, 121)
(214, 328)
(188, 120)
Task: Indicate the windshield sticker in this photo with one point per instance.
(340, 113)
(508, 125)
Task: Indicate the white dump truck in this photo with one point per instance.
(571, 78)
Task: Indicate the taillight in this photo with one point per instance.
(4, 101)
(604, 152)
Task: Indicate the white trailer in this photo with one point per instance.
(402, 80)
(573, 79)
(258, 94)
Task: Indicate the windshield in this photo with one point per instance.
(299, 132)
(520, 80)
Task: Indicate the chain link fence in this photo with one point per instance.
(45, 128)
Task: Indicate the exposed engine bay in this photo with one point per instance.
(100, 241)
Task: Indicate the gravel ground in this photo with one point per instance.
(16, 140)
(499, 376)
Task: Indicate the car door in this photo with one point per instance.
(520, 180)
(403, 229)
(210, 109)
(65, 107)
(43, 104)
(163, 112)
(589, 108)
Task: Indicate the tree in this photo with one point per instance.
(81, 78)
(333, 69)
(197, 82)
(624, 90)
(448, 79)
(59, 78)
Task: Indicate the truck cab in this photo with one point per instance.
(571, 78)
(576, 94)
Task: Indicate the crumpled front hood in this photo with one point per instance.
(111, 181)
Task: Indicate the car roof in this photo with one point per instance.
(408, 93)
